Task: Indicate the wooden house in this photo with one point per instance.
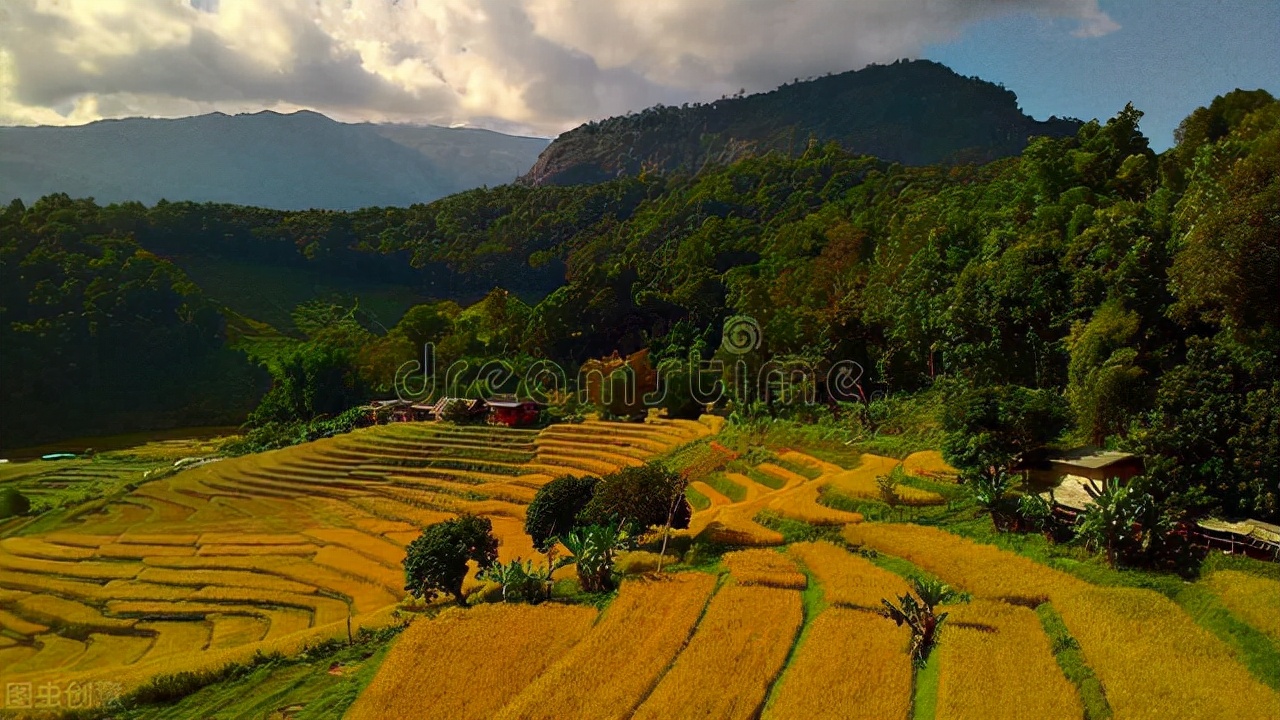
(393, 410)
(1069, 474)
(511, 411)
(474, 407)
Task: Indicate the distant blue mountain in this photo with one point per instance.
(295, 161)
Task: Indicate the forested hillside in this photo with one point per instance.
(1134, 290)
(911, 112)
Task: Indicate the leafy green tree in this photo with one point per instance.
(1106, 385)
(458, 411)
(310, 381)
(555, 507)
(639, 497)
(678, 400)
(436, 562)
(988, 428)
(1209, 443)
(427, 323)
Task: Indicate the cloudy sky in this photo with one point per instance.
(543, 66)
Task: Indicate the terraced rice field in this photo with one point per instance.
(790, 487)
(1147, 652)
(267, 551)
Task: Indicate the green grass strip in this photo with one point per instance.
(809, 472)
(1252, 648)
(770, 481)
(1067, 652)
(726, 487)
(697, 499)
(924, 695)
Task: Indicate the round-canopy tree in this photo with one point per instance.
(555, 507)
(436, 563)
(640, 497)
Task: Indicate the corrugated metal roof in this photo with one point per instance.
(1090, 457)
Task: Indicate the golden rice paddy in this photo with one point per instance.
(742, 642)
(851, 664)
(1254, 599)
(847, 579)
(995, 662)
(1148, 653)
(237, 555)
(637, 638)
(764, 567)
(274, 551)
(499, 648)
(1151, 656)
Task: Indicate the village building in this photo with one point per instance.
(475, 407)
(513, 412)
(1254, 538)
(1067, 475)
(393, 410)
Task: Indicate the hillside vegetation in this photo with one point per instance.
(1135, 288)
(910, 112)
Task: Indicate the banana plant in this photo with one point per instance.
(521, 580)
(918, 613)
(592, 549)
(1124, 521)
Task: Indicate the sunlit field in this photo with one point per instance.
(280, 551)
(271, 551)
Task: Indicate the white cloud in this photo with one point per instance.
(533, 65)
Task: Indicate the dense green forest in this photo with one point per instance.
(915, 112)
(1136, 290)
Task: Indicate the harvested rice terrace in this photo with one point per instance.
(267, 551)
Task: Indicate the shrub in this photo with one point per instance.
(436, 562)
(679, 401)
(521, 581)
(13, 503)
(458, 411)
(991, 491)
(555, 507)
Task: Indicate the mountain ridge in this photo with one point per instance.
(913, 112)
(286, 161)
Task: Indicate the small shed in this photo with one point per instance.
(1090, 463)
(1067, 474)
(394, 410)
